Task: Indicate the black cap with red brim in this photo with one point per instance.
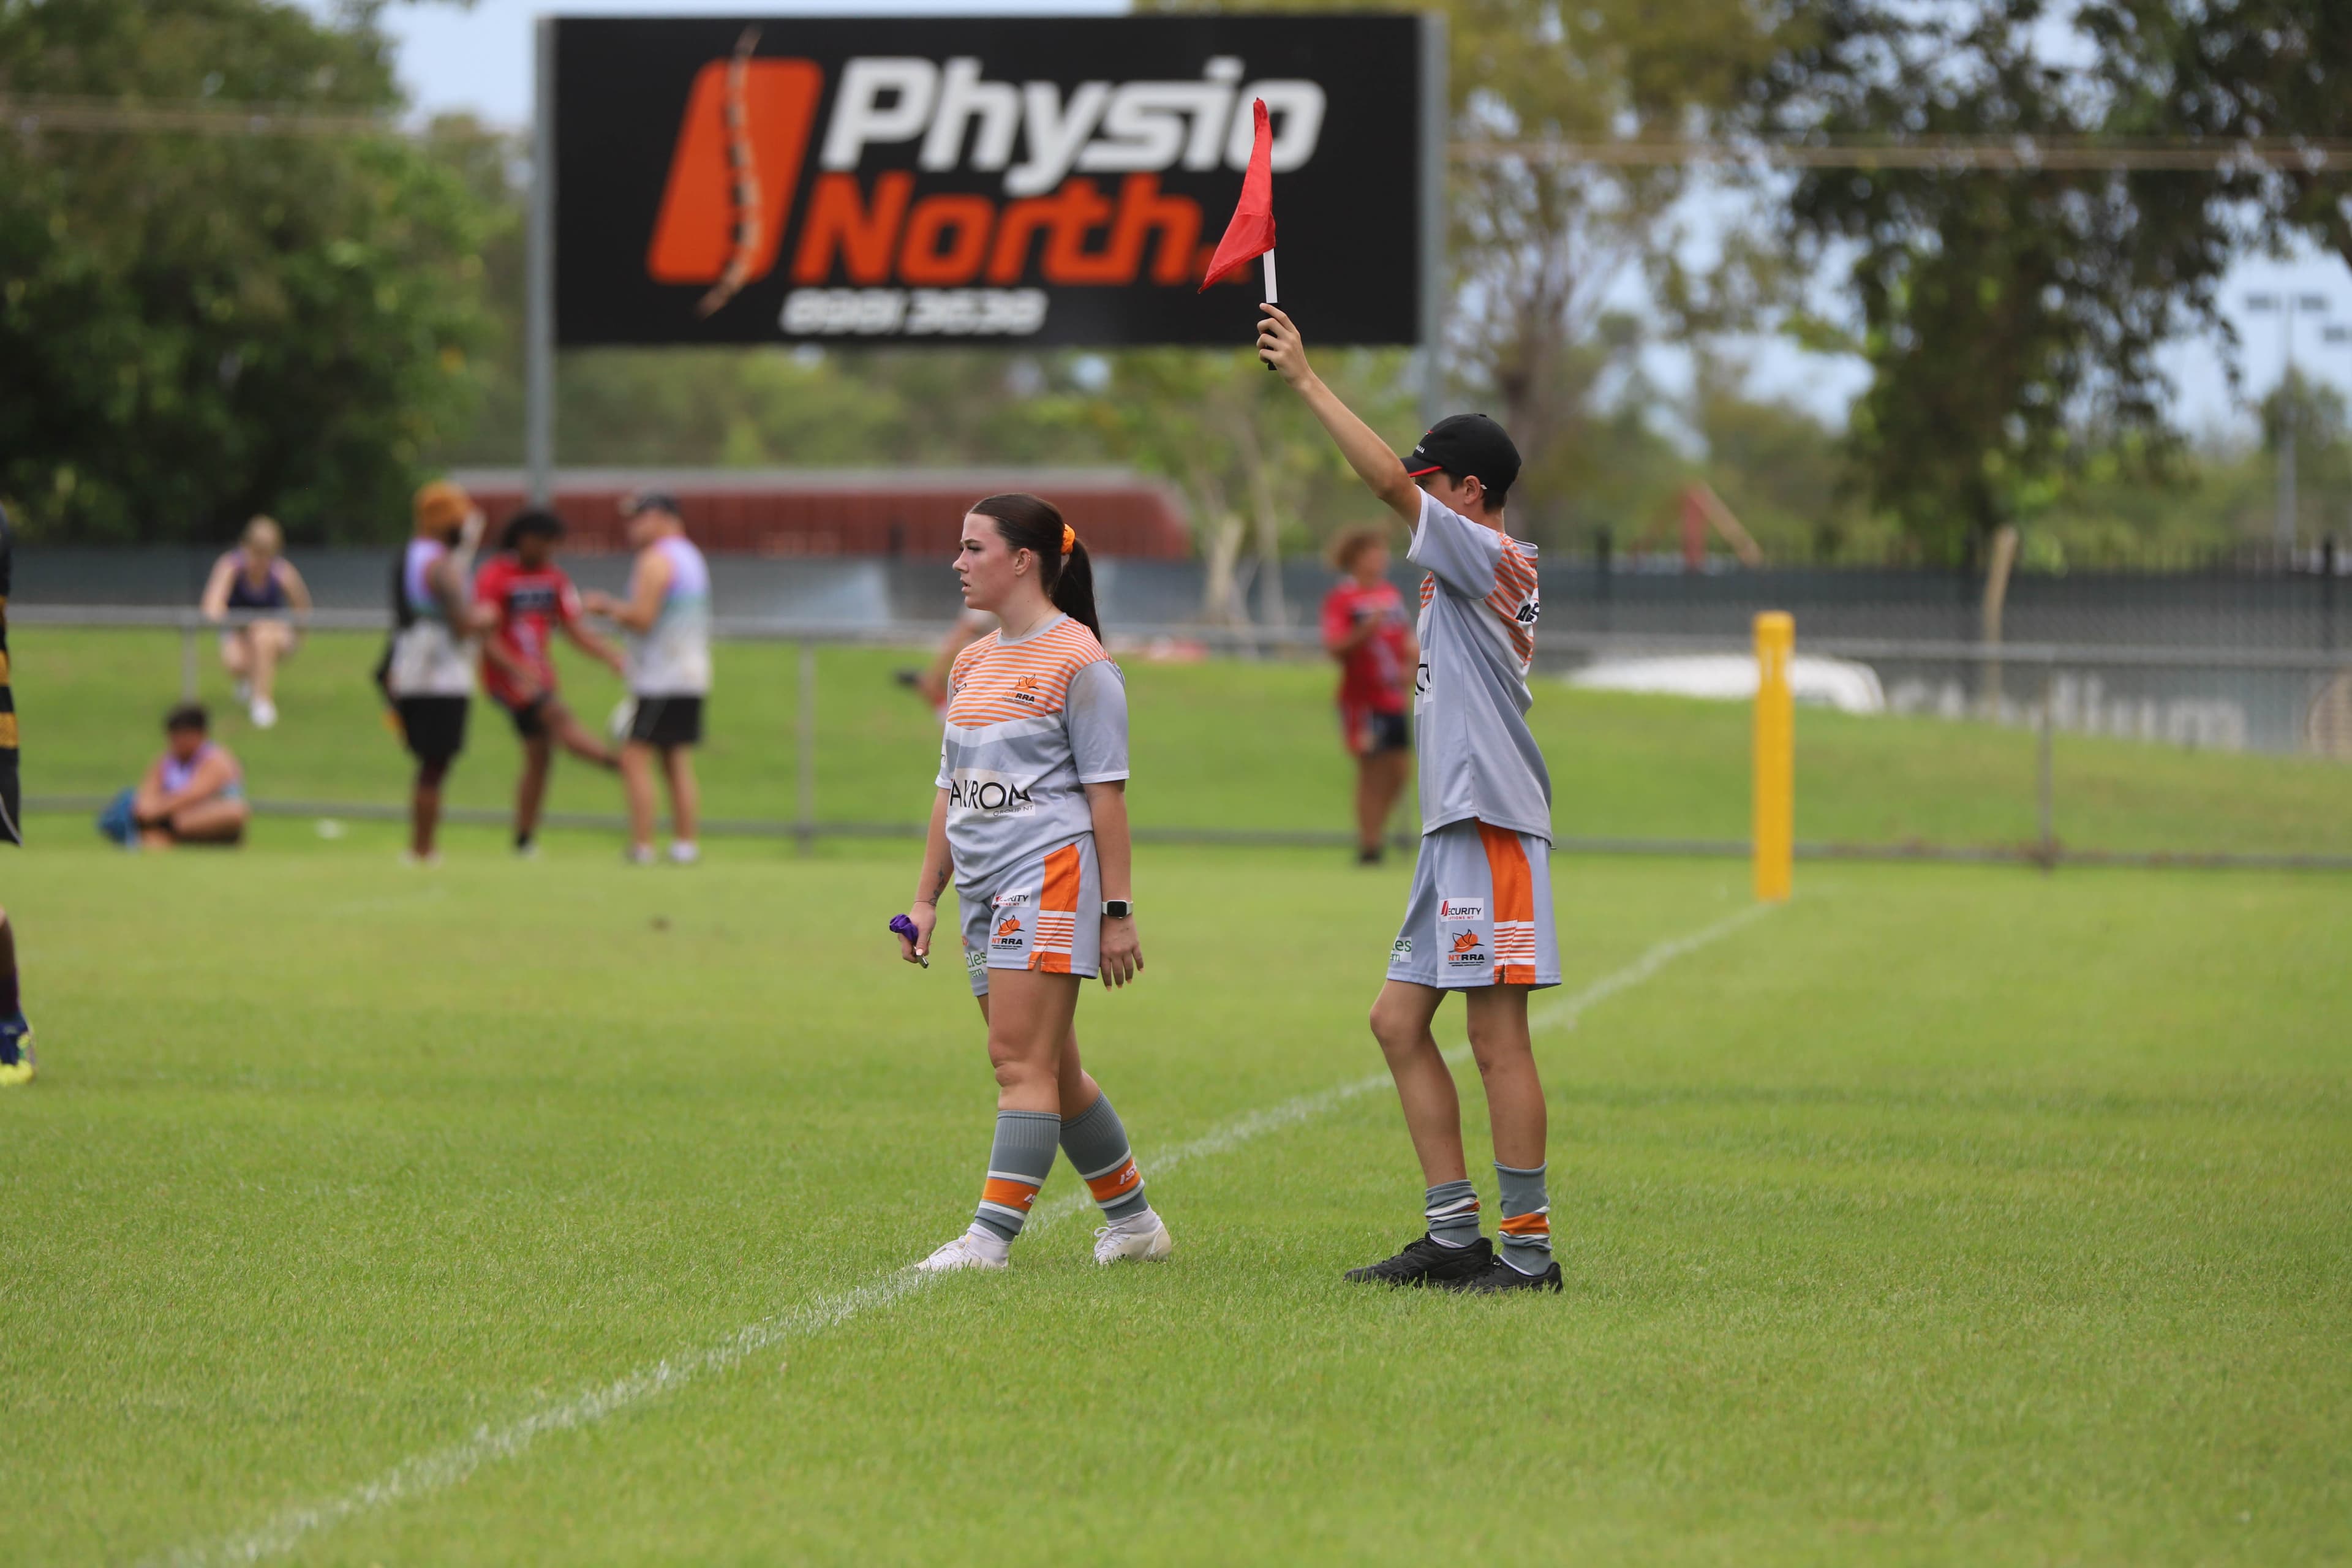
(1466, 444)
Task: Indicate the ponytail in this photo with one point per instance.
(1034, 524)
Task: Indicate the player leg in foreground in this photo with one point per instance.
(1479, 919)
(17, 1065)
(1031, 822)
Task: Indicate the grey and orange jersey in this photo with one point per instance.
(1030, 723)
(1478, 610)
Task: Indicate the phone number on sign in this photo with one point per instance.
(913, 312)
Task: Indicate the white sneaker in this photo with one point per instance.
(685, 852)
(638, 854)
(265, 713)
(411, 858)
(1142, 1238)
(973, 1249)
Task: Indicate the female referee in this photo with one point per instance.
(1031, 822)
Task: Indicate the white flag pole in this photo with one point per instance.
(1271, 297)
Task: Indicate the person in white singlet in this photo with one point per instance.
(667, 617)
(1030, 821)
(429, 673)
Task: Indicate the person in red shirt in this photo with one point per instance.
(1366, 629)
(529, 596)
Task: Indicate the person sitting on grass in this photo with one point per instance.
(195, 792)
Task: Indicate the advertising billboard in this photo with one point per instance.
(970, 180)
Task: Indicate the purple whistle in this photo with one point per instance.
(904, 927)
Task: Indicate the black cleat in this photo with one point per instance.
(1501, 1275)
(1428, 1261)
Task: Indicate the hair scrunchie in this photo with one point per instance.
(1069, 538)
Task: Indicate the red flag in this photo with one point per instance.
(1251, 234)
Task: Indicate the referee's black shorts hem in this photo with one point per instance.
(666, 721)
(433, 726)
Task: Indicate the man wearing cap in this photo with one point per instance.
(1479, 918)
(429, 673)
(667, 617)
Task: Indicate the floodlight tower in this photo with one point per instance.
(2288, 306)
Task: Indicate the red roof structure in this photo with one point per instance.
(815, 511)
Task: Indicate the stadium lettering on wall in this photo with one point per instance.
(1053, 181)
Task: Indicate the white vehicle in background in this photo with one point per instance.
(1838, 683)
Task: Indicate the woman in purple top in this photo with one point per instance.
(256, 578)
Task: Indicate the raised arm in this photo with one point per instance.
(1278, 344)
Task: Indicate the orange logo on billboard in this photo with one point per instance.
(734, 182)
(733, 174)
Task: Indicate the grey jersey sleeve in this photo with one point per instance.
(946, 778)
(1095, 712)
(1461, 555)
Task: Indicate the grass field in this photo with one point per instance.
(1945, 1215)
(1220, 746)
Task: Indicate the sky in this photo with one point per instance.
(477, 59)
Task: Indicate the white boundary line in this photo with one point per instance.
(448, 1466)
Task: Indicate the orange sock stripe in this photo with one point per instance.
(1118, 1185)
(1526, 1225)
(1014, 1195)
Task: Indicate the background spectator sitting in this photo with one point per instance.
(195, 792)
(255, 576)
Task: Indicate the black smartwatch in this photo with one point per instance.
(1119, 909)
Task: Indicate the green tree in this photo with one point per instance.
(200, 326)
(2003, 311)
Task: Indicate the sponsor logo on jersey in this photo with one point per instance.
(1402, 948)
(1077, 170)
(1009, 926)
(1010, 900)
(1467, 949)
(975, 960)
(1026, 690)
(1457, 911)
(1529, 611)
(998, 794)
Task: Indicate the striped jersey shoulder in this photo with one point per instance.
(994, 682)
(973, 652)
(1517, 600)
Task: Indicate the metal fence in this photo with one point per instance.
(2203, 698)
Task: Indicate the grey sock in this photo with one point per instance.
(1097, 1145)
(1452, 1211)
(1527, 1219)
(1017, 1163)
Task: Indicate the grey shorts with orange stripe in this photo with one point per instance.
(1480, 913)
(1044, 914)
